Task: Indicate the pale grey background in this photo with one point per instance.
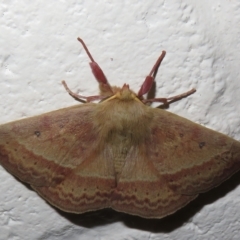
(39, 49)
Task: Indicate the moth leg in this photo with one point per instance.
(147, 84)
(97, 71)
(171, 99)
(80, 97)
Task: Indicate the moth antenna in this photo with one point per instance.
(170, 99)
(147, 84)
(97, 71)
(80, 97)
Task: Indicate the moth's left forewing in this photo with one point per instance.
(43, 144)
(191, 158)
(59, 155)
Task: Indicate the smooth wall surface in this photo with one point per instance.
(39, 49)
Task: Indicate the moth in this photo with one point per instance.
(119, 153)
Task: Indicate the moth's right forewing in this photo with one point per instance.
(192, 158)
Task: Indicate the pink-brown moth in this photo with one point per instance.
(119, 153)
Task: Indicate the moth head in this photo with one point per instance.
(124, 93)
